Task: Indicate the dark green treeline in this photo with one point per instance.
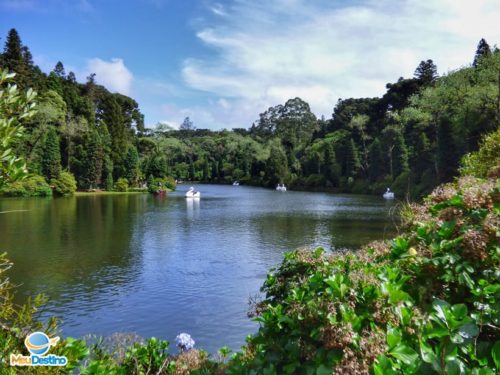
(410, 139)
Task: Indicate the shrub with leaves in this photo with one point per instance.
(486, 161)
(15, 107)
(33, 186)
(426, 302)
(121, 185)
(65, 185)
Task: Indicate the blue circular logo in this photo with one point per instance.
(38, 343)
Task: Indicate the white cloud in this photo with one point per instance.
(267, 52)
(114, 75)
(218, 10)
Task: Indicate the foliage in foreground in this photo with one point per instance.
(14, 108)
(425, 303)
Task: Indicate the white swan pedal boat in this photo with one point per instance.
(388, 194)
(191, 193)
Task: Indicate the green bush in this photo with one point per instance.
(154, 184)
(423, 303)
(169, 182)
(486, 161)
(121, 184)
(33, 186)
(65, 185)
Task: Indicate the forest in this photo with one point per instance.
(411, 139)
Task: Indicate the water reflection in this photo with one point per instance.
(161, 265)
(193, 208)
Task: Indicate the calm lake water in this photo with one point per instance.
(158, 266)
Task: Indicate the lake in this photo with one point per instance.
(159, 266)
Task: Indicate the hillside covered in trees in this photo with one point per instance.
(411, 139)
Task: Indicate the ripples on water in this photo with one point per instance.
(159, 266)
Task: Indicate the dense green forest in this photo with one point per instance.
(410, 139)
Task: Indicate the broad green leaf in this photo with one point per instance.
(453, 368)
(404, 353)
(323, 370)
(393, 338)
(495, 353)
(468, 331)
(459, 310)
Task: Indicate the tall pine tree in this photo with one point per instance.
(483, 50)
(426, 72)
(51, 155)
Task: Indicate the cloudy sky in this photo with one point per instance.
(224, 62)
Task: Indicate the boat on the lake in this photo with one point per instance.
(388, 194)
(191, 193)
(236, 183)
(281, 187)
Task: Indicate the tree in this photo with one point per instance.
(131, 165)
(296, 124)
(397, 151)
(359, 124)
(377, 164)
(187, 125)
(426, 72)
(108, 173)
(112, 116)
(277, 165)
(17, 58)
(483, 50)
(59, 70)
(51, 155)
(13, 53)
(352, 159)
(94, 160)
(332, 168)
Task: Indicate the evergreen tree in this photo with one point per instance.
(113, 118)
(483, 50)
(108, 173)
(51, 155)
(352, 159)
(400, 155)
(332, 168)
(377, 163)
(131, 165)
(422, 159)
(94, 160)
(13, 52)
(426, 72)
(17, 58)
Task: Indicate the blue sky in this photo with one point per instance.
(224, 62)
